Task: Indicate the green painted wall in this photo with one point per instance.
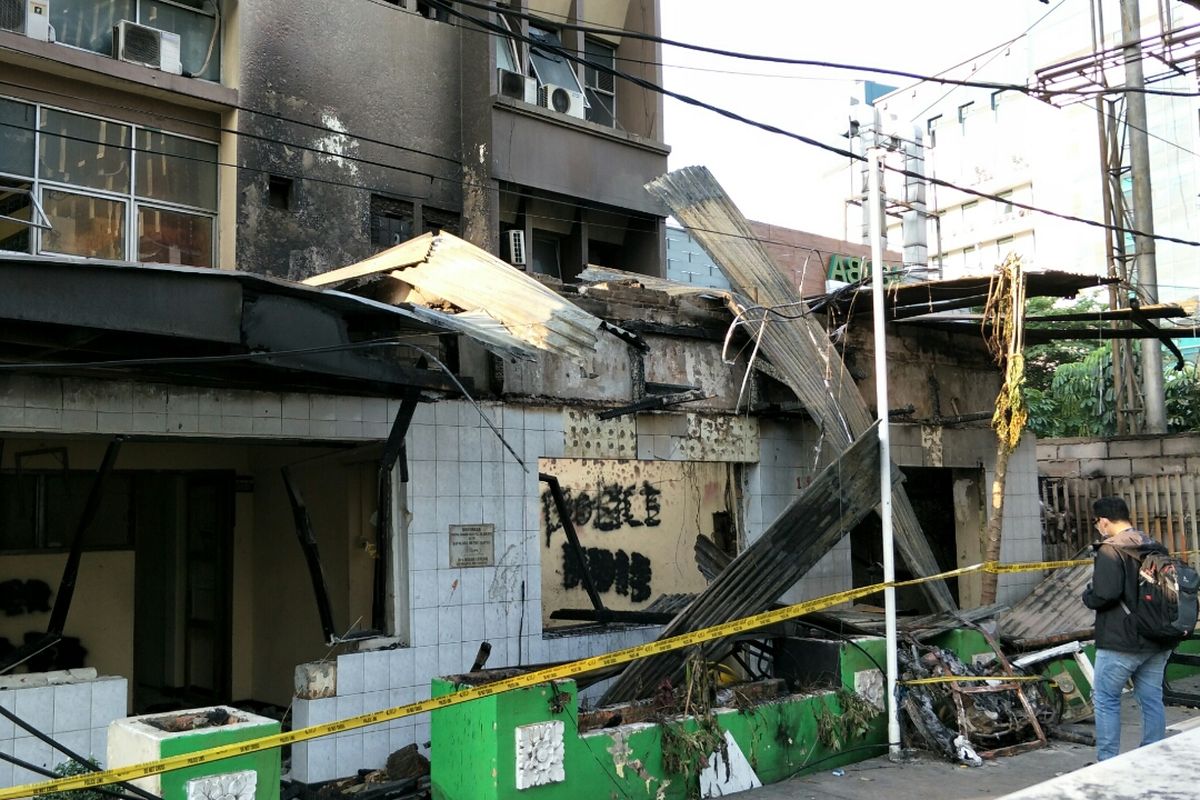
(266, 762)
(474, 744)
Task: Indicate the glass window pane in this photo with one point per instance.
(172, 237)
(87, 23)
(84, 151)
(15, 202)
(199, 37)
(176, 170)
(16, 137)
(18, 512)
(66, 496)
(550, 67)
(93, 227)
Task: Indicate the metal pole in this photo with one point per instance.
(874, 157)
(1143, 209)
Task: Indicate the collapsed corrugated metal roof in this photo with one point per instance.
(441, 269)
(1053, 612)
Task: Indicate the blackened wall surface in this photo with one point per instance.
(379, 88)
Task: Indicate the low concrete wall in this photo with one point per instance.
(73, 707)
(1121, 457)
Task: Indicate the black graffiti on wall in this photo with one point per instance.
(608, 507)
(627, 574)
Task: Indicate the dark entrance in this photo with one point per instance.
(931, 491)
(182, 597)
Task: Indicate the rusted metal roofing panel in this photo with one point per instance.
(794, 341)
(1052, 612)
(435, 269)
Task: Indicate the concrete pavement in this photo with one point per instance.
(929, 778)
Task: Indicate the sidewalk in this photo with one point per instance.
(933, 779)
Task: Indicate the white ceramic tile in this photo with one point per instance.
(8, 700)
(471, 507)
(425, 665)
(422, 442)
(350, 705)
(445, 414)
(424, 550)
(349, 752)
(35, 706)
(449, 587)
(99, 748)
(36, 752)
(470, 479)
(474, 585)
(72, 707)
(375, 747)
(375, 701)
(375, 670)
(322, 760)
(446, 443)
(349, 674)
(399, 738)
(470, 444)
(76, 741)
(472, 624)
(450, 659)
(447, 477)
(424, 628)
(424, 589)
(449, 625)
(401, 697)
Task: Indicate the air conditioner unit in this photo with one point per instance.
(517, 86)
(150, 47)
(560, 99)
(516, 248)
(30, 17)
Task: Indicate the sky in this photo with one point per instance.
(774, 179)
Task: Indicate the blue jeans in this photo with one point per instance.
(1113, 669)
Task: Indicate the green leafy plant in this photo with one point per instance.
(69, 769)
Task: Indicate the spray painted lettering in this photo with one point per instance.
(627, 574)
(609, 508)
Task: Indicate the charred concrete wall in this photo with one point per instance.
(379, 87)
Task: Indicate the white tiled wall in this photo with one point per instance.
(460, 472)
(76, 714)
(78, 406)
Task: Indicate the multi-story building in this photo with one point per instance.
(1044, 153)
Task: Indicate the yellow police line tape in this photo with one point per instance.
(968, 678)
(584, 665)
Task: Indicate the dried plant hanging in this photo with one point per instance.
(1005, 315)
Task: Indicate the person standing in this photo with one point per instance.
(1122, 652)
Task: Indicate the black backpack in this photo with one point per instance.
(1165, 606)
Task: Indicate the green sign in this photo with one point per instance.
(852, 269)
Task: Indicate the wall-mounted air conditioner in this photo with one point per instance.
(150, 47)
(517, 86)
(516, 248)
(30, 17)
(561, 99)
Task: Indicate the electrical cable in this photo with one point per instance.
(801, 62)
(839, 151)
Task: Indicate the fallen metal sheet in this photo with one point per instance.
(840, 496)
(435, 269)
(1053, 612)
(796, 344)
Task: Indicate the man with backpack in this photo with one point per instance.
(1140, 595)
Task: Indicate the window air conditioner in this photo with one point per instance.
(517, 86)
(150, 47)
(516, 248)
(560, 99)
(30, 17)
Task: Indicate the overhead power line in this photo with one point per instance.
(799, 62)
(774, 129)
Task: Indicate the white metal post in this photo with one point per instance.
(875, 203)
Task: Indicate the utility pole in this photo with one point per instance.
(875, 218)
(1143, 210)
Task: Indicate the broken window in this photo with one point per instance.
(83, 181)
(391, 221)
(601, 85)
(547, 254)
(39, 511)
(435, 219)
(507, 55)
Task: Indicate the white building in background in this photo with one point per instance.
(1022, 149)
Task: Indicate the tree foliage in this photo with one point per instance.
(1069, 386)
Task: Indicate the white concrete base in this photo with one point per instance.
(1162, 769)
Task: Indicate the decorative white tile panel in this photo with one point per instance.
(540, 754)
(230, 786)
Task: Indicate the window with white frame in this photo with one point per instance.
(599, 84)
(104, 188)
(88, 25)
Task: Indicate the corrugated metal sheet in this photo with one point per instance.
(442, 268)
(1053, 611)
(796, 344)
